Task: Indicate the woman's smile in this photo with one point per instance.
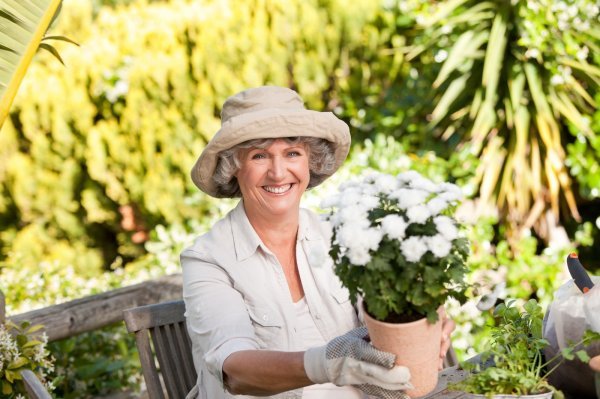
(278, 189)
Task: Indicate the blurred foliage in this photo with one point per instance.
(139, 99)
(23, 347)
(97, 363)
(511, 76)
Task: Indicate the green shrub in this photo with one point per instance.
(23, 347)
(118, 129)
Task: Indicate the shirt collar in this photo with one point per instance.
(246, 240)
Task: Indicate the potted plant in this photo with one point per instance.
(516, 365)
(396, 246)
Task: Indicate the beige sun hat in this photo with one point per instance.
(263, 113)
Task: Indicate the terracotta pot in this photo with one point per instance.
(416, 345)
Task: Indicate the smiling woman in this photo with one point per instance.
(263, 315)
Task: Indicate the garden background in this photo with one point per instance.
(499, 97)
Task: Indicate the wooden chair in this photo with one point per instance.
(34, 386)
(162, 327)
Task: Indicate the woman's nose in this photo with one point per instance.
(277, 169)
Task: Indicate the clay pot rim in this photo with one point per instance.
(375, 321)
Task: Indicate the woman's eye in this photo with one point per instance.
(294, 154)
(258, 156)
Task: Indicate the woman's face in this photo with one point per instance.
(273, 179)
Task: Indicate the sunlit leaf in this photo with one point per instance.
(24, 24)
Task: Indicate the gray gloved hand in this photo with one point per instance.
(350, 360)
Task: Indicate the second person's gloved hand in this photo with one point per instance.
(350, 360)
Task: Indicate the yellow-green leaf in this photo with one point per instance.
(23, 37)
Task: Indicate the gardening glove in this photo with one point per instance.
(350, 360)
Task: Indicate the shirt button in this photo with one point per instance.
(265, 317)
(318, 316)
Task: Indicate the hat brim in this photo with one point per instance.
(269, 124)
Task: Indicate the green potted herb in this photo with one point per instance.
(396, 245)
(518, 368)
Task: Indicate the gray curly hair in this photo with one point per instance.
(321, 162)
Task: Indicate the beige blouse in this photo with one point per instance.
(237, 298)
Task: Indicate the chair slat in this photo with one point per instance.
(186, 352)
(163, 328)
(34, 387)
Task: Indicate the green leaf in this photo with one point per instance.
(23, 27)
(494, 56)
(58, 37)
(17, 363)
(52, 50)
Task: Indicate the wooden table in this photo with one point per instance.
(448, 376)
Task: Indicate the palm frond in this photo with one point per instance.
(24, 23)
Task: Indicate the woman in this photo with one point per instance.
(264, 317)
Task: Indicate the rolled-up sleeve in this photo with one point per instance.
(217, 317)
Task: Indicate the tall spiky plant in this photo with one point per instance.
(513, 74)
(24, 25)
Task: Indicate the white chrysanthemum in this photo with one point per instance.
(386, 183)
(350, 197)
(446, 187)
(348, 185)
(369, 202)
(413, 248)
(424, 184)
(371, 178)
(446, 227)
(369, 189)
(451, 196)
(437, 205)
(331, 201)
(439, 245)
(408, 197)
(418, 214)
(354, 215)
(372, 237)
(359, 256)
(394, 226)
(407, 177)
(350, 236)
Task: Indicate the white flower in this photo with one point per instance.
(413, 248)
(408, 197)
(369, 202)
(436, 205)
(407, 177)
(394, 226)
(418, 214)
(424, 184)
(386, 183)
(359, 256)
(446, 227)
(439, 245)
(350, 196)
(331, 201)
(355, 215)
(359, 242)
(451, 196)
